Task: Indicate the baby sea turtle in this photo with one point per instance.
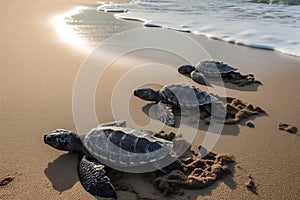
(207, 69)
(180, 96)
(115, 144)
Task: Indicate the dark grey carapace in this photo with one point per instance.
(205, 69)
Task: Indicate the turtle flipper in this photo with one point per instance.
(119, 123)
(176, 165)
(199, 78)
(217, 109)
(92, 177)
(165, 114)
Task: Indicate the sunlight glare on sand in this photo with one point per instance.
(67, 31)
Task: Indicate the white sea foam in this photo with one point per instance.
(266, 26)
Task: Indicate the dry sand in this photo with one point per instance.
(37, 75)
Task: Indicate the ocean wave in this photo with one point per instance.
(273, 25)
(284, 2)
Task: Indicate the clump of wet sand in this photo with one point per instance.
(237, 110)
(198, 172)
(250, 124)
(288, 128)
(166, 136)
(250, 184)
(240, 79)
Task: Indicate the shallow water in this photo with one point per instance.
(273, 25)
(85, 28)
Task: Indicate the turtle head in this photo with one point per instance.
(186, 69)
(62, 139)
(147, 94)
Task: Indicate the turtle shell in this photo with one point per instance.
(185, 96)
(213, 68)
(125, 146)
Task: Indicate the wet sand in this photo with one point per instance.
(37, 75)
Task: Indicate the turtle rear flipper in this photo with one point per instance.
(174, 165)
(217, 109)
(165, 114)
(92, 177)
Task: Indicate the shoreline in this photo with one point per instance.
(38, 73)
(210, 38)
(148, 23)
(140, 22)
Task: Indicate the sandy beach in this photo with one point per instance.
(37, 74)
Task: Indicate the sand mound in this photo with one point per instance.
(198, 172)
(238, 110)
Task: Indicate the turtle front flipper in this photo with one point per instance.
(165, 114)
(92, 177)
(199, 78)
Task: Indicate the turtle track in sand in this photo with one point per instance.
(240, 80)
(198, 172)
(237, 111)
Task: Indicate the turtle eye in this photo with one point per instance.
(146, 94)
(55, 143)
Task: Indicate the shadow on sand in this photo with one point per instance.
(62, 172)
(232, 129)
